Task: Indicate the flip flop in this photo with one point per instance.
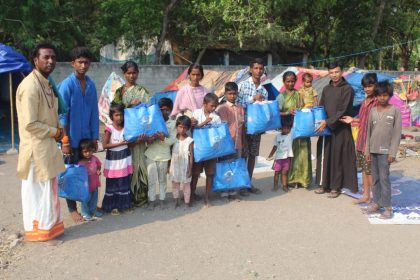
(319, 190)
(334, 194)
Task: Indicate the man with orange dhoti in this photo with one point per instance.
(40, 160)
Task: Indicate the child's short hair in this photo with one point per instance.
(287, 74)
(86, 144)
(184, 120)
(79, 52)
(307, 76)
(115, 108)
(256, 61)
(165, 102)
(196, 66)
(334, 64)
(231, 86)
(369, 79)
(210, 97)
(129, 64)
(384, 87)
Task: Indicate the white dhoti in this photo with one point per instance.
(41, 209)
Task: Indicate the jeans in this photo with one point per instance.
(89, 207)
(381, 184)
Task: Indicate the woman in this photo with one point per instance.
(300, 173)
(130, 95)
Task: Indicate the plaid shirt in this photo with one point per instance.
(247, 90)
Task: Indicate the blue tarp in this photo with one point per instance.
(12, 61)
(355, 80)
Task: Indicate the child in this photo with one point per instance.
(369, 82)
(180, 170)
(308, 95)
(190, 97)
(202, 117)
(382, 141)
(93, 166)
(234, 115)
(284, 152)
(158, 154)
(118, 164)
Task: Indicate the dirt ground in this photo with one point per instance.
(298, 235)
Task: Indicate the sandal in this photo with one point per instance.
(387, 214)
(334, 194)
(319, 190)
(373, 208)
(115, 212)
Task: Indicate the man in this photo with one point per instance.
(336, 156)
(82, 120)
(40, 160)
(250, 91)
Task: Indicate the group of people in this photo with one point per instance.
(135, 170)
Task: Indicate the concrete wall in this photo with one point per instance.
(153, 77)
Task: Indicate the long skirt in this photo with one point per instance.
(117, 194)
(42, 219)
(301, 167)
(139, 181)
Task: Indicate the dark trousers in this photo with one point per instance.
(72, 159)
(381, 184)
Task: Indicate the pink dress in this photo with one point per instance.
(189, 98)
(92, 165)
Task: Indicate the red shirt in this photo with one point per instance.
(92, 166)
(363, 119)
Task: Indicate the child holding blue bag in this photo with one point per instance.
(93, 167)
(202, 117)
(118, 164)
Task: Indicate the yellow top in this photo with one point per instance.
(307, 95)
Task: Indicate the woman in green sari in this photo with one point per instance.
(130, 95)
(300, 172)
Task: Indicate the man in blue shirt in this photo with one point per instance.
(82, 119)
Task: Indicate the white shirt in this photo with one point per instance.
(284, 146)
(199, 115)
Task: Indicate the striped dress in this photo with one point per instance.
(117, 170)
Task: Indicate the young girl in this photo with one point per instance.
(118, 166)
(284, 153)
(300, 172)
(180, 171)
(308, 95)
(93, 166)
(190, 97)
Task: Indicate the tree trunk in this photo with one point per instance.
(161, 40)
(375, 29)
(200, 55)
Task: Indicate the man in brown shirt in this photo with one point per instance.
(40, 160)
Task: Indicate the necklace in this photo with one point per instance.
(46, 93)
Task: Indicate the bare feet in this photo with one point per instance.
(151, 206)
(76, 217)
(362, 200)
(285, 188)
(176, 203)
(162, 205)
(275, 188)
(207, 203)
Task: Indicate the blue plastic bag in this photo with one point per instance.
(261, 117)
(73, 183)
(212, 142)
(305, 122)
(143, 119)
(231, 174)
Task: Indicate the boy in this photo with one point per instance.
(158, 154)
(308, 95)
(82, 121)
(250, 91)
(369, 82)
(382, 141)
(234, 115)
(202, 117)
